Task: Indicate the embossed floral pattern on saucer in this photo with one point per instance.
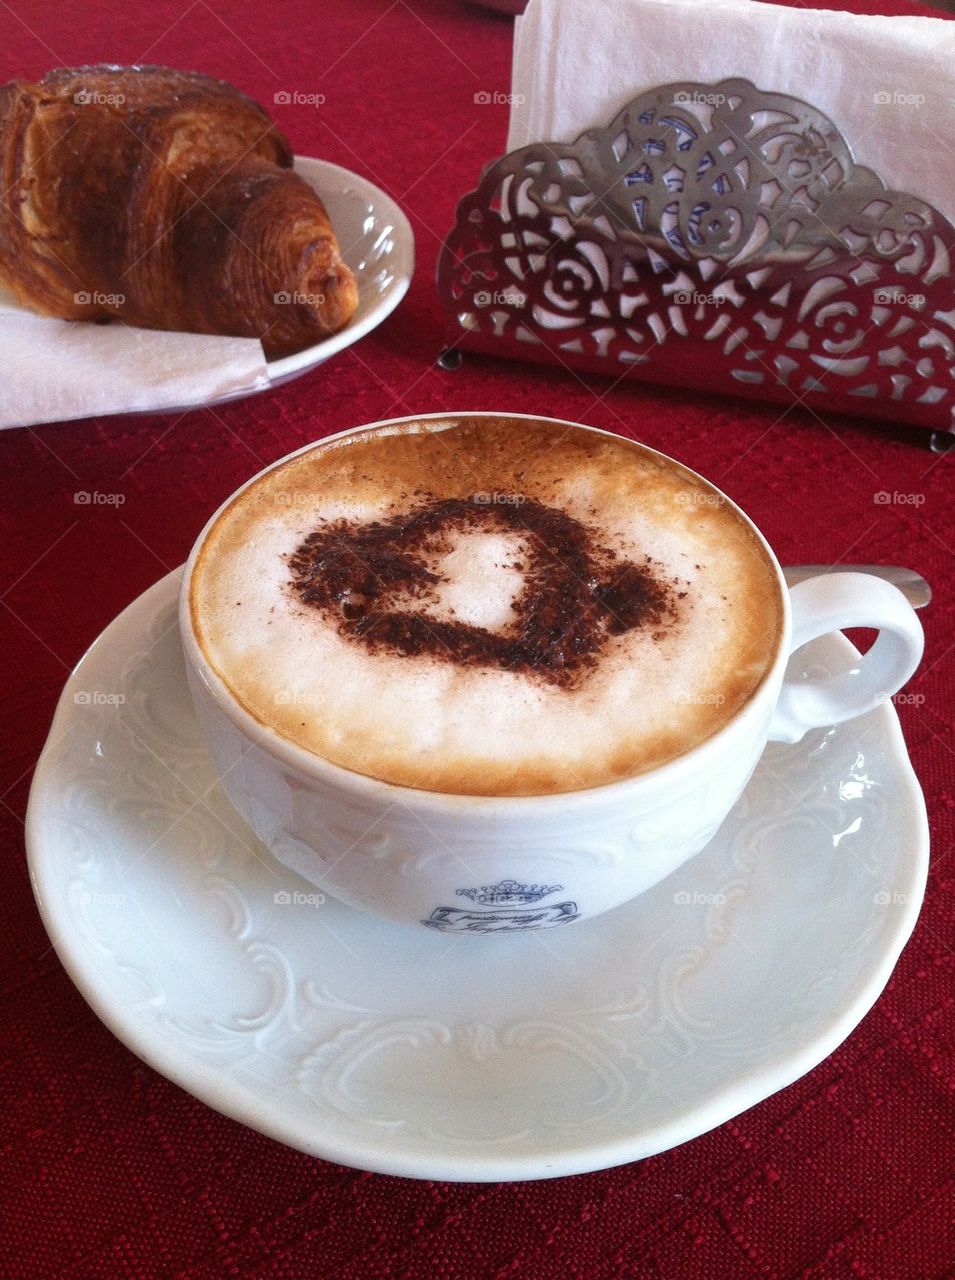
(420, 1053)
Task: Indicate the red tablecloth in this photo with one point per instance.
(107, 1169)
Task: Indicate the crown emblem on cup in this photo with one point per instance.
(509, 893)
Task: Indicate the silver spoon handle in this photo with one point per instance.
(912, 585)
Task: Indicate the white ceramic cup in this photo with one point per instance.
(485, 864)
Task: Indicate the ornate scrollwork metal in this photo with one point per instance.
(714, 236)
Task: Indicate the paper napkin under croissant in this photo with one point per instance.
(60, 369)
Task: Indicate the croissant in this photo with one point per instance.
(164, 199)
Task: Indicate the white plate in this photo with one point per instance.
(478, 1058)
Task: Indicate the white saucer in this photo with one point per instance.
(472, 1058)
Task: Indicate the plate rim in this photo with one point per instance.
(234, 1100)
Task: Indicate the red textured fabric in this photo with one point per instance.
(108, 1170)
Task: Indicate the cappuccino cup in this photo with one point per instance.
(490, 672)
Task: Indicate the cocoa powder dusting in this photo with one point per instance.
(368, 578)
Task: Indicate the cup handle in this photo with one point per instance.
(829, 603)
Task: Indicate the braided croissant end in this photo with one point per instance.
(164, 199)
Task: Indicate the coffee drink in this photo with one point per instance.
(483, 605)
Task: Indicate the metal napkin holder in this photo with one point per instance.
(717, 237)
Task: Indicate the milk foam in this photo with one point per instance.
(480, 581)
(651, 694)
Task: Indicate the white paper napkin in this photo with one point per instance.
(887, 83)
(55, 370)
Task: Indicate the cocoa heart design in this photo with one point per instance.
(576, 592)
